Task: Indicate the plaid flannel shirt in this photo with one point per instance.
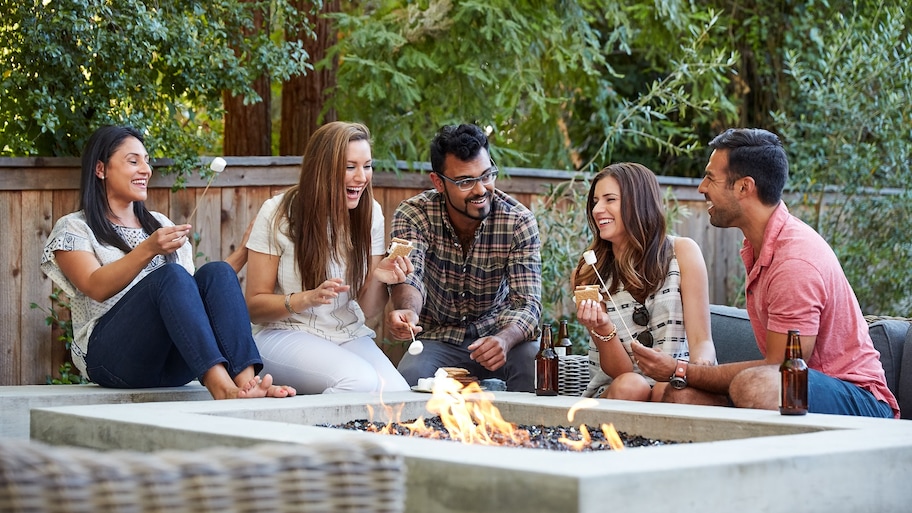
(497, 284)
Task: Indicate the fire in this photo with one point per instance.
(469, 416)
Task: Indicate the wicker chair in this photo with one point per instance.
(38, 478)
(573, 374)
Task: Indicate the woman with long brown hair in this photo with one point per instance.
(658, 293)
(316, 271)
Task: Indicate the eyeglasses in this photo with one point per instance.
(467, 184)
(641, 318)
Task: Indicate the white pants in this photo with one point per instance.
(313, 365)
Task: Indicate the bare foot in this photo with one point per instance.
(257, 387)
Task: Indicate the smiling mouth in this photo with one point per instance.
(141, 183)
(354, 192)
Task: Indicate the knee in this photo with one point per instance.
(630, 387)
(755, 388)
(214, 271)
(171, 274)
(357, 382)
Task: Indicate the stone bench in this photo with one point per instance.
(16, 401)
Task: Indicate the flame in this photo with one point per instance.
(468, 414)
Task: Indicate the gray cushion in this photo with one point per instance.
(732, 334)
(893, 339)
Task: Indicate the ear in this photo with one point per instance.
(100, 170)
(747, 185)
(437, 181)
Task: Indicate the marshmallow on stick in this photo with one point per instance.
(590, 258)
(217, 165)
(416, 347)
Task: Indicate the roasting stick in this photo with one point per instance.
(218, 165)
(591, 259)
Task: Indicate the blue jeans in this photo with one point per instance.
(518, 372)
(827, 394)
(171, 327)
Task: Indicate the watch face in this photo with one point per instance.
(677, 382)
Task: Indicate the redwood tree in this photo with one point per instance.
(303, 96)
(248, 125)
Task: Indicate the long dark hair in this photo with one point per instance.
(644, 261)
(319, 199)
(93, 190)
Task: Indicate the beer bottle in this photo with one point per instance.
(563, 346)
(546, 365)
(793, 388)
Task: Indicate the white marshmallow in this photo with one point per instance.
(416, 347)
(589, 257)
(218, 164)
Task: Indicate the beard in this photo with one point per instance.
(469, 210)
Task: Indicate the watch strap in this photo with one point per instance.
(680, 369)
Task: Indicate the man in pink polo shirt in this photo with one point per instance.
(794, 282)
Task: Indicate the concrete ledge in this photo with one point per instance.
(16, 401)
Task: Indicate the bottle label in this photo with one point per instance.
(561, 351)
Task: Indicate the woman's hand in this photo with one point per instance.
(392, 270)
(324, 294)
(593, 316)
(167, 239)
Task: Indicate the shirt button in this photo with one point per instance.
(463, 269)
(463, 318)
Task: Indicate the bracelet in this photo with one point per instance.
(604, 338)
(288, 304)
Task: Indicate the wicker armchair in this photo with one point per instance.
(37, 478)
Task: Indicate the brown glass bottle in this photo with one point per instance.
(793, 388)
(546, 365)
(563, 346)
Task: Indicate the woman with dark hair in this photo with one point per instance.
(317, 271)
(658, 293)
(141, 317)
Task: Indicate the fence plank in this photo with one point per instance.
(37, 347)
(11, 290)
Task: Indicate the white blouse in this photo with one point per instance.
(72, 233)
(340, 321)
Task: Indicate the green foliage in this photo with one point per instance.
(847, 134)
(563, 226)
(71, 67)
(61, 303)
(543, 80)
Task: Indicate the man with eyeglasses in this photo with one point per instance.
(475, 293)
(794, 282)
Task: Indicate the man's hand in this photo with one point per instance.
(399, 322)
(490, 352)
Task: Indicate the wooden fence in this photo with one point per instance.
(35, 192)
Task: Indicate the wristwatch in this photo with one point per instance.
(679, 379)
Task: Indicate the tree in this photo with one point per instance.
(248, 122)
(160, 66)
(546, 81)
(846, 130)
(304, 96)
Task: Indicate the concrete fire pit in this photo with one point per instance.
(741, 460)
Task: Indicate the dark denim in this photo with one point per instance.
(171, 327)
